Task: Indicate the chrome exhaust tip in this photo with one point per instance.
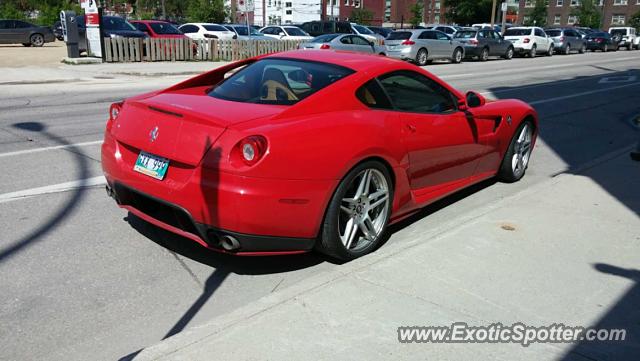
(229, 243)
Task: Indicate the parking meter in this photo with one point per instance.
(70, 33)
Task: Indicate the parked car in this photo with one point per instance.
(382, 31)
(273, 173)
(22, 32)
(529, 40)
(112, 26)
(349, 42)
(627, 36)
(447, 29)
(200, 31)
(158, 29)
(285, 32)
(602, 41)
(317, 28)
(423, 46)
(565, 40)
(366, 33)
(244, 33)
(57, 30)
(484, 43)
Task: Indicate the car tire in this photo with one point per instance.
(567, 50)
(36, 40)
(605, 48)
(456, 58)
(550, 51)
(421, 57)
(354, 211)
(532, 52)
(26, 44)
(484, 54)
(583, 49)
(516, 159)
(509, 54)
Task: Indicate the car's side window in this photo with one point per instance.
(372, 95)
(540, 33)
(346, 39)
(424, 35)
(358, 40)
(413, 92)
(441, 36)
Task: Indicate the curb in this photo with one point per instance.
(196, 334)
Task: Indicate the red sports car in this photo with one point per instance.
(306, 150)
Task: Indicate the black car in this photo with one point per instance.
(22, 32)
(484, 43)
(112, 26)
(601, 41)
(317, 28)
(380, 30)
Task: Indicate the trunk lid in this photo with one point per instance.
(184, 124)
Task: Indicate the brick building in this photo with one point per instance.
(559, 12)
(394, 13)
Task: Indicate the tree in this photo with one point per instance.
(416, 11)
(468, 11)
(538, 15)
(361, 16)
(206, 11)
(588, 14)
(635, 21)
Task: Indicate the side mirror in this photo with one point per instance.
(474, 99)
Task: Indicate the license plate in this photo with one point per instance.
(151, 165)
(391, 47)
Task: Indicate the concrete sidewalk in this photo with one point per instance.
(564, 251)
(76, 73)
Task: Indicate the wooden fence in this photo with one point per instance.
(157, 49)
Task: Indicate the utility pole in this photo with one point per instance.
(264, 12)
(164, 11)
(493, 13)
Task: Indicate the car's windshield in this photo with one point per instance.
(622, 32)
(278, 81)
(164, 29)
(242, 30)
(465, 34)
(324, 38)
(116, 23)
(295, 31)
(399, 35)
(554, 33)
(362, 30)
(517, 32)
(210, 27)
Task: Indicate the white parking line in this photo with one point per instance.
(54, 188)
(576, 95)
(44, 149)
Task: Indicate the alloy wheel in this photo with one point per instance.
(364, 210)
(37, 40)
(522, 151)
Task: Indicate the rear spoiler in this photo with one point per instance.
(211, 77)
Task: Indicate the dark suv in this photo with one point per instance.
(566, 40)
(317, 28)
(484, 43)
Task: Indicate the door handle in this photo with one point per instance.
(411, 128)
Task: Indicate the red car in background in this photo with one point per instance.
(158, 29)
(303, 150)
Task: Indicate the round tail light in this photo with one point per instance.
(250, 150)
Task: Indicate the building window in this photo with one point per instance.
(437, 5)
(617, 19)
(575, 2)
(529, 3)
(557, 19)
(346, 2)
(436, 18)
(572, 19)
(357, 3)
(526, 19)
(560, 3)
(288, 12)
(619, 2)
(287, 5)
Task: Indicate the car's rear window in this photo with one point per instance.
(165, 29)
(399, 35)
(622, 32)
(554, 33)
(517, 32)
(324, 38)
(465, 34)
(278, 81)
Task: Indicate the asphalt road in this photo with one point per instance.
(82, 280)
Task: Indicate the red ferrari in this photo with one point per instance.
(306, 150)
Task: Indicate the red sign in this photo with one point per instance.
(92, 19)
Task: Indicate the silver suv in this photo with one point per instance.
(423, 46)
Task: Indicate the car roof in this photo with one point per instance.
(355, 61)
